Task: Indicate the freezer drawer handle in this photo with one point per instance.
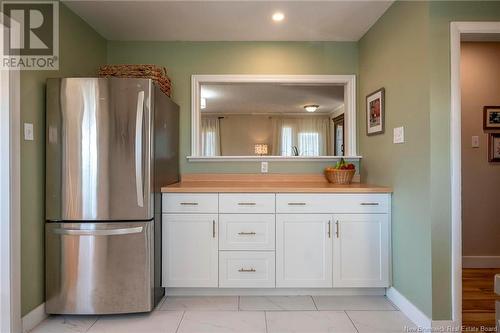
(110, 232)
(138, 149)
(243, 270)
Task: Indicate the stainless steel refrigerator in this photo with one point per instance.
(111, 143)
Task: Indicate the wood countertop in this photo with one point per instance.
(250, 183)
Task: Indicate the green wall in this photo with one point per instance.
(82, 50)
(184, 59)
(394, 55)
(441, 14)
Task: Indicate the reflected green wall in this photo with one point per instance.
(82, 50)
(394, 55)
(184, 59)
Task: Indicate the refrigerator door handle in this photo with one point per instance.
(138, 149)
(109, 232)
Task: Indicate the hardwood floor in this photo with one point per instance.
(478, 297)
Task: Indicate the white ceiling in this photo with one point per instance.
(236, 20)
(251, 98)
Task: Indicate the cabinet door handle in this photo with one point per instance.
(329, 229)
(189, 204)
(243, 270)
(213, 228)
(337, 232)
(369, 204)
(296, 204)
(246, 233)
(246, 203)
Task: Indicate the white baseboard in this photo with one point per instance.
(275, 291)
(481, 261)
(35, 317)
(418, 317)
(411, 311)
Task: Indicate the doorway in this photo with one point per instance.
(460, 31)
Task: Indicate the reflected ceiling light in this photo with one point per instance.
(278, 17)
(311, 107)
(203, 103)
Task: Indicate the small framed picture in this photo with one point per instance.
(494, 147)
(375, 112)
(491, 118)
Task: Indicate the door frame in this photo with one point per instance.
(457, 29)
(10, 192)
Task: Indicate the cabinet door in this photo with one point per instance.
(303, 250)
(190, 250)
(361, 250)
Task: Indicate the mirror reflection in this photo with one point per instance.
(272, 119)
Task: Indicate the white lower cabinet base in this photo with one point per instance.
(246, 269)
(275, 291)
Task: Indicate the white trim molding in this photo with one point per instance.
(408, 308)
(10, 193)
(270, 158)
(457, 29)
(481, 261)
(349, 82)
(33, 318)
(419, 318)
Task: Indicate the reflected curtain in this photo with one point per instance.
(210, 136)
(306, 136)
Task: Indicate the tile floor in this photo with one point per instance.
(246, 314)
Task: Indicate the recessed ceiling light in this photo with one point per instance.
(278, 16)
(311, 107)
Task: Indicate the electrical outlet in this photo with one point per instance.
(264, 167)
(399, 135)
(28, 132)
(475, 141)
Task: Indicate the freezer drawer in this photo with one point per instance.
(99, 268)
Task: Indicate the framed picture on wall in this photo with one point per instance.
(494, 147)
(375, 112)
(491, 118)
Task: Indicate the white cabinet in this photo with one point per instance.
(361, 250)
(246, 232)
(303, 250)
(190, 250)
(246, 269)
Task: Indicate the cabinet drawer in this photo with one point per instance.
(246, 231)
(239, 269)
(190, 203)
(332, 203)
(246, 203)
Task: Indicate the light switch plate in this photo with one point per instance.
(28, 132)
(264, 167)
(399, 135)
(475, 141)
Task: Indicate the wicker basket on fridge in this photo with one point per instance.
(340, 176)
(153, 72)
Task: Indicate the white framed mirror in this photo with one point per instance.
(273, 117)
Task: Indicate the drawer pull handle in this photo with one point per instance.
(189, 204)
(243, 270)
(369, 204)
(246, 203)
(246, 233)
(296, 204)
